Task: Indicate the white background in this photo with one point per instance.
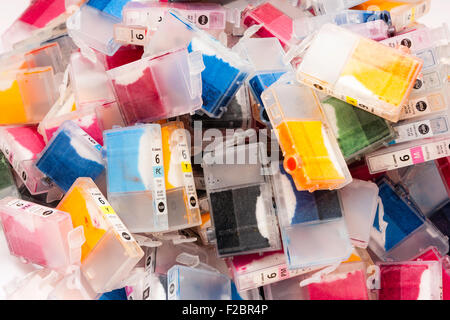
(11, 267)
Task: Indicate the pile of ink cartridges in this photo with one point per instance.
(260, 149)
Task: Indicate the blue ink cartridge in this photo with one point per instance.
(312, 225)
(135, 177)
(224, 72)
(185, 283)
(399, 231)
(266, 57)
(71, 153)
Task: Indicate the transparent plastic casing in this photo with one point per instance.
(433, 255)
(94, 28)
(347, 282)
(71, 153)
(183, 206)
(243, 216)
(407, 280)
(376, 30)
(26, 95)
(357, 131)
(21, 145)
(360, 202)
(399, 232)
(423, 185)
(89, 81)
(7, 185)
(403, 13)
(266, 57)
(311, 153)
(238, 114)
(47, 55)
(73, 286)
(38, 14)
(209, 16)
(275, 18)
(110, 251)
(158, 87)
(185, 283)
(362, 72)
(131, 178)
(224, 71)
(352, 19)
(93, 119)
(322, 7)
(312, 225)
(40, 235)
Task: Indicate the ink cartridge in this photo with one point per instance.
(185, 283)
(276, 20)
(243, 216)
(26, 95)
(135, 177)
(40, 235)
(110, 251)
(361, 72)
(21, 145)
(224, 71)
(183, 207)
(311, 153)
(312, 225)
(357, 131)
(158, 87)
(71, 153)
(94, 28)
(399, 231)
(409, 280)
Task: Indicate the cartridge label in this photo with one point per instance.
(110, 215)
(408, 156)
(30, 207)
(421, 129)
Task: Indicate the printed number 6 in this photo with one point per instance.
(139, 36)
(184, 154)
(157, 159)
(272, 275)
(404, 158)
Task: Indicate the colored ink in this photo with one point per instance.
(110, 251)
(70, 154)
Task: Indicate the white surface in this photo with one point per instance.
(11, 267)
